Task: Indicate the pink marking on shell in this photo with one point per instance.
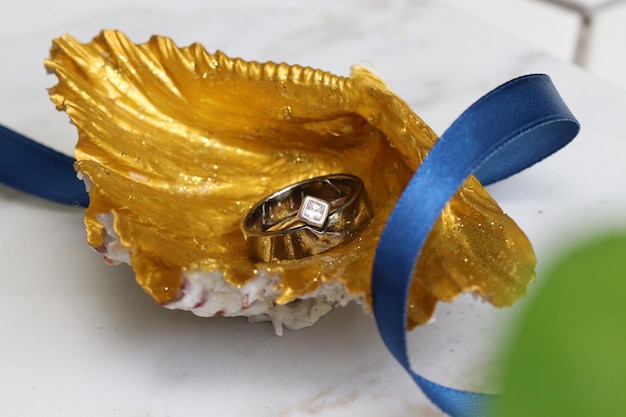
(203, 300)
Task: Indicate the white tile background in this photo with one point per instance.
(589, 33)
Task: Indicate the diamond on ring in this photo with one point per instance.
(314, 211)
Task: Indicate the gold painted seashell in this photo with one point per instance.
(177, 144)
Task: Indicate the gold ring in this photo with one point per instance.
(307, 218)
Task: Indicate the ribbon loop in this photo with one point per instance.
(509, 129)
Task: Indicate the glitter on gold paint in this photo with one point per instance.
(180, 143)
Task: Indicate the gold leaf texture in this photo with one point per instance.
(178, 144)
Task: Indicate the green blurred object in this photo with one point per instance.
(568, 357)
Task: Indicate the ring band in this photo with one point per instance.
(307, 218)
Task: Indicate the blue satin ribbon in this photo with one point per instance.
(506, 131)
(36, 169)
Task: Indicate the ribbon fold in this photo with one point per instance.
(509, 129)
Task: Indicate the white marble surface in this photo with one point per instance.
(80, 338)
(584, 4)
(589, 33)
(606, 55)
(545, 26)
